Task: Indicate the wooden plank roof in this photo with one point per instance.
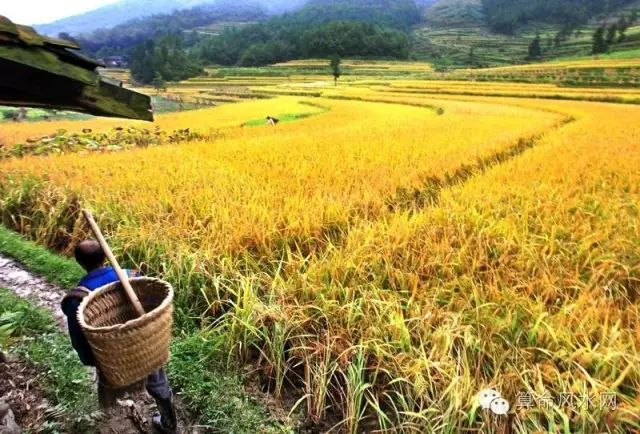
(39, 71)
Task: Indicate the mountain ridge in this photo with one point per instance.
(114, 14)
(503, 16)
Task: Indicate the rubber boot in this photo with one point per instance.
(166, 420)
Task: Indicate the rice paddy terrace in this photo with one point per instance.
(403, 241)
(602, 79)
(455, 34)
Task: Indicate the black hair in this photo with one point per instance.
(89, 255)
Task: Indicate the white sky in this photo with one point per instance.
(45, 11)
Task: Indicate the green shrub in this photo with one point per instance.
(9, 114)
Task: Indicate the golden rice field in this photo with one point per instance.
(363, 65)
(390, 254)
(590, 63)
(466, 88)
(231, 116)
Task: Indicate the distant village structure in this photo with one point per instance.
(115, 61)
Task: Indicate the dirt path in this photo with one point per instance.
(130, 416)
(33, 288)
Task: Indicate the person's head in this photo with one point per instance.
(89, 255)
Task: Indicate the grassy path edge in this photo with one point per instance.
(215, 392)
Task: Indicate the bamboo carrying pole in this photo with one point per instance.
(124, 280)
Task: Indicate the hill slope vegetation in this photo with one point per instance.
(506, 15)
(451, 33)
(126, 10)
(121, 38)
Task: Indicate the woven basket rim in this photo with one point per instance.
(144, 318)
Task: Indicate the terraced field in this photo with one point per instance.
(384, 256)
(455, 39)
(586, 72)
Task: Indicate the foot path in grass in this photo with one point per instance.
(130, 416)
(33, 288)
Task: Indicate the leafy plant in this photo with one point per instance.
(116, 139)
(18, 318)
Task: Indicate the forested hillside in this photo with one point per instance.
(123, 11)
(458, 33)
(506, 15)
(120, 39)
(360, 28)
(363, 28)
(393, 13)
(113, 14)
(455, 12)
(449, 33)
(264, 44)
(163, 61)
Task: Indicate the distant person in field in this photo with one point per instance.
(272, 121)
(19, 115)
(91, 257)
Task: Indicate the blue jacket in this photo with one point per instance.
(70, 304)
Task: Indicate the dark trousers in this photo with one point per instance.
(158, 385)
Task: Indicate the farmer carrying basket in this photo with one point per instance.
(126, 339)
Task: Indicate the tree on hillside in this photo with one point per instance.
(535, 48)
(166, 58)
(67, 37)
(611, 34)
(473, 59)
(558, 39)
(623, 25)
(142, 62)
(599, 43)
(159, 83)
(633, 17)
(335, 68)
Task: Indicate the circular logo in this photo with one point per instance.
(499, 406)
(490, 399)
(486, 396)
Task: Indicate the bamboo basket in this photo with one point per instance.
(128, 347)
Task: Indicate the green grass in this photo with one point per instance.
(36, 339)
(164, 105)
(36, 114)
(56, 269)
(19, 318)
(196, 366)
(199, 368)
(290, 117)
(628, 54)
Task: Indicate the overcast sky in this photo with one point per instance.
(45, 11)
